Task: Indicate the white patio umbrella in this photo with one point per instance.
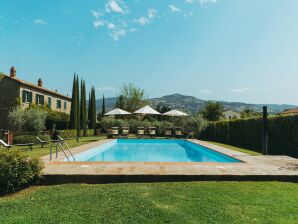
(175, 113)
(117, 111)
(146, 110)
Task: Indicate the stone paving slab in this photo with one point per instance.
(252, 167)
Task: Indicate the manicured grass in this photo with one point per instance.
(39, 151)
(193, 202)
(247, 151)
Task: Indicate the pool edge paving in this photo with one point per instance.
(253, 168)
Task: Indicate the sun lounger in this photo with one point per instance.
(125, 132)
(178, 133)
(168, 133)
(115, 132)
(141, 132)
(152, 132)
(9, 146)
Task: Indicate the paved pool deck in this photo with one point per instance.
(254, 168)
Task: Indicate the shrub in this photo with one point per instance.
(68, 133)
(87, 132)
(17, 170)
(194, 124)
(59, 119)
(247, 133)
(22, 139)
(32, 119)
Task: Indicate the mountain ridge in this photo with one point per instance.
(193, 104)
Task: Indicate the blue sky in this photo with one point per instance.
(213, 49)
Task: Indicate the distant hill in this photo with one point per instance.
(193, 104)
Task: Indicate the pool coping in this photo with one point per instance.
(279, 168)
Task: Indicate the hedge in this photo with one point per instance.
(73, 133)
(247, 133)
(17, 170)
(23, 139)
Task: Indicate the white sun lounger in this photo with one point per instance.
(9, 146)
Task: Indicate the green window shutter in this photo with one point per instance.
(30, 97)
(24, 96)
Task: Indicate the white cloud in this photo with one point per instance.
(206, 91)
(111, 26)
(98, 23)
(40, 22)
(189, 1)
(142, 21)
(117, 6)
(152, 13)
(174, 8)
(204, 2)
(117, 34)
(239, 90)
(96, 14)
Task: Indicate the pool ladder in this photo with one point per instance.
(64, 147)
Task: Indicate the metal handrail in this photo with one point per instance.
(60, 143)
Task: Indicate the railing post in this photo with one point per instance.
(265, 130)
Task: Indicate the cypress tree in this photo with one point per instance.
(89, 111)
(82, 107)
(78, 106)
(93, 109)
(103, 108)
(73, 110)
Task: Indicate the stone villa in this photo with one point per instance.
(231, 114)
(15, 91)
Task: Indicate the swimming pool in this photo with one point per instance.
(152, 150)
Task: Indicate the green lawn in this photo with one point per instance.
(38, 151)
(193, 202)
(247, 151)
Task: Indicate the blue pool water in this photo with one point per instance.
(147, 150)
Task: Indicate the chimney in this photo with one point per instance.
(39, 82)
(13, 72)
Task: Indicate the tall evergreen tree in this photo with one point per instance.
(103, 108)
(78, 105)
(74, 102)
(93, 109)
(89, 111)
(120, 102)
(83, 106)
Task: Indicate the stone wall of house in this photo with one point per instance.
(54, 99)
(9, 97)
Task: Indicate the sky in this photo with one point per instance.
(227, 50)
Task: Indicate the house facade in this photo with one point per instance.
(14, 91)
(231, 114)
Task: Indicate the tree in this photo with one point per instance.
(31, 119)
(89, 111)
(120, 102)
(92, 109)
(78, 106)
(248, 113)
(192, 124)
(103, 108)
(83, 111)
(212, 111)
(162, 108)
(16, 119)
(133, 97)
(74, 102)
